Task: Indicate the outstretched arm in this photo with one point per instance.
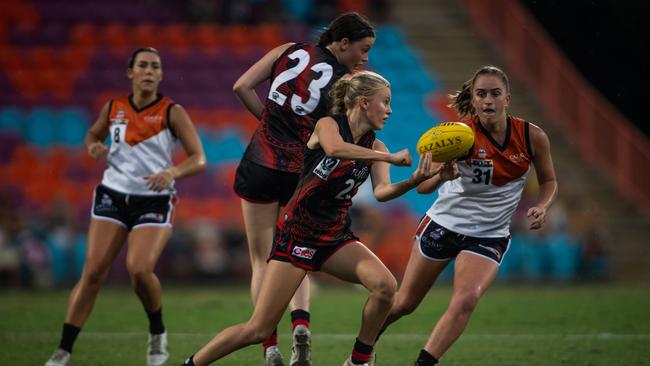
(326, 135)
(244, 87)
(384, 190)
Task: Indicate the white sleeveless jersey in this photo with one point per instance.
(141, 145)
(481, 202)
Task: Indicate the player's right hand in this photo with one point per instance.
(97, 149)
(401, 158)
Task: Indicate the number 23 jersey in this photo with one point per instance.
(141, 144)
(482, 200)
(298, 98)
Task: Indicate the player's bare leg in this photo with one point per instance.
(421, 273)
(472, 277)
(105, 239)
(357, 264)
(279, 284)
(146, 244)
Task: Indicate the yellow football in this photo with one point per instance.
(446, 141)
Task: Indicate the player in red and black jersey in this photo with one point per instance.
(340, 154)
(300, 76)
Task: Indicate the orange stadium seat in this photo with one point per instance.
(209, 38)
(146, 35)
(83, 35)
(117, 37)
(178, 38)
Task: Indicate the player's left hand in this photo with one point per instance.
(159, 181)
(538, 216)
(425, 169)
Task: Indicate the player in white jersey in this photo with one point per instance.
(470, 219)
(135, 200)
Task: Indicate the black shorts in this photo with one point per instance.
(131, 210)
(306, 256)
(439, 244)
(259, 184)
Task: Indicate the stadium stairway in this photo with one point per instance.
(441, 30)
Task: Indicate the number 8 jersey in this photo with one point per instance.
(300, 82)
(141, 144)
(480, 203)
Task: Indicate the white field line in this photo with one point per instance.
(406, 337)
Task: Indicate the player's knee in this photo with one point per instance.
(384, 288)
(256, 333)
(138, 274)
(465, 303)
(404, 306)
(94, 277)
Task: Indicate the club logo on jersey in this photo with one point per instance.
(302, 252)
(481, 153)
(325, 167)
(119, 118)
(152, 216)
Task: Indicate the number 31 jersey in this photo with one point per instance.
(141, 144)
(300, 82)
(482, 200)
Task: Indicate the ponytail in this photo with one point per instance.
(338, 94)
(461, 101)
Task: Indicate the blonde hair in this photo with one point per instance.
(346, 90)
(461, 101)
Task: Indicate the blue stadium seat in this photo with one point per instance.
(40, 126)
(11, 120)
(73, 124)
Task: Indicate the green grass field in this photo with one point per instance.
(585, 325)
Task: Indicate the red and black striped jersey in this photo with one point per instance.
(317, 213)
(300, 82)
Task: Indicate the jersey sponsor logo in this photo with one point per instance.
(156, 118)
(302, 252)
(325, 167)
(152, 216)
(491, 250)
(518, 158)
(482, 163)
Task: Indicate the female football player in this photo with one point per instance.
(470, 220)
(301, 76)
(136, 198)
(313, 233)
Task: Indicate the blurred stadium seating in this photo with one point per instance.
(60, 61)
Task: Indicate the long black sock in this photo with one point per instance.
(156, 325)
(426, 359)
(68, 336)
(189, 361)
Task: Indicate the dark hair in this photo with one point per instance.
(352, 26)
(346, 90)
(131, 61)
(461, 101)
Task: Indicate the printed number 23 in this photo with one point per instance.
(314, 87)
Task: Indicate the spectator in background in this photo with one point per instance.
(135, 200)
